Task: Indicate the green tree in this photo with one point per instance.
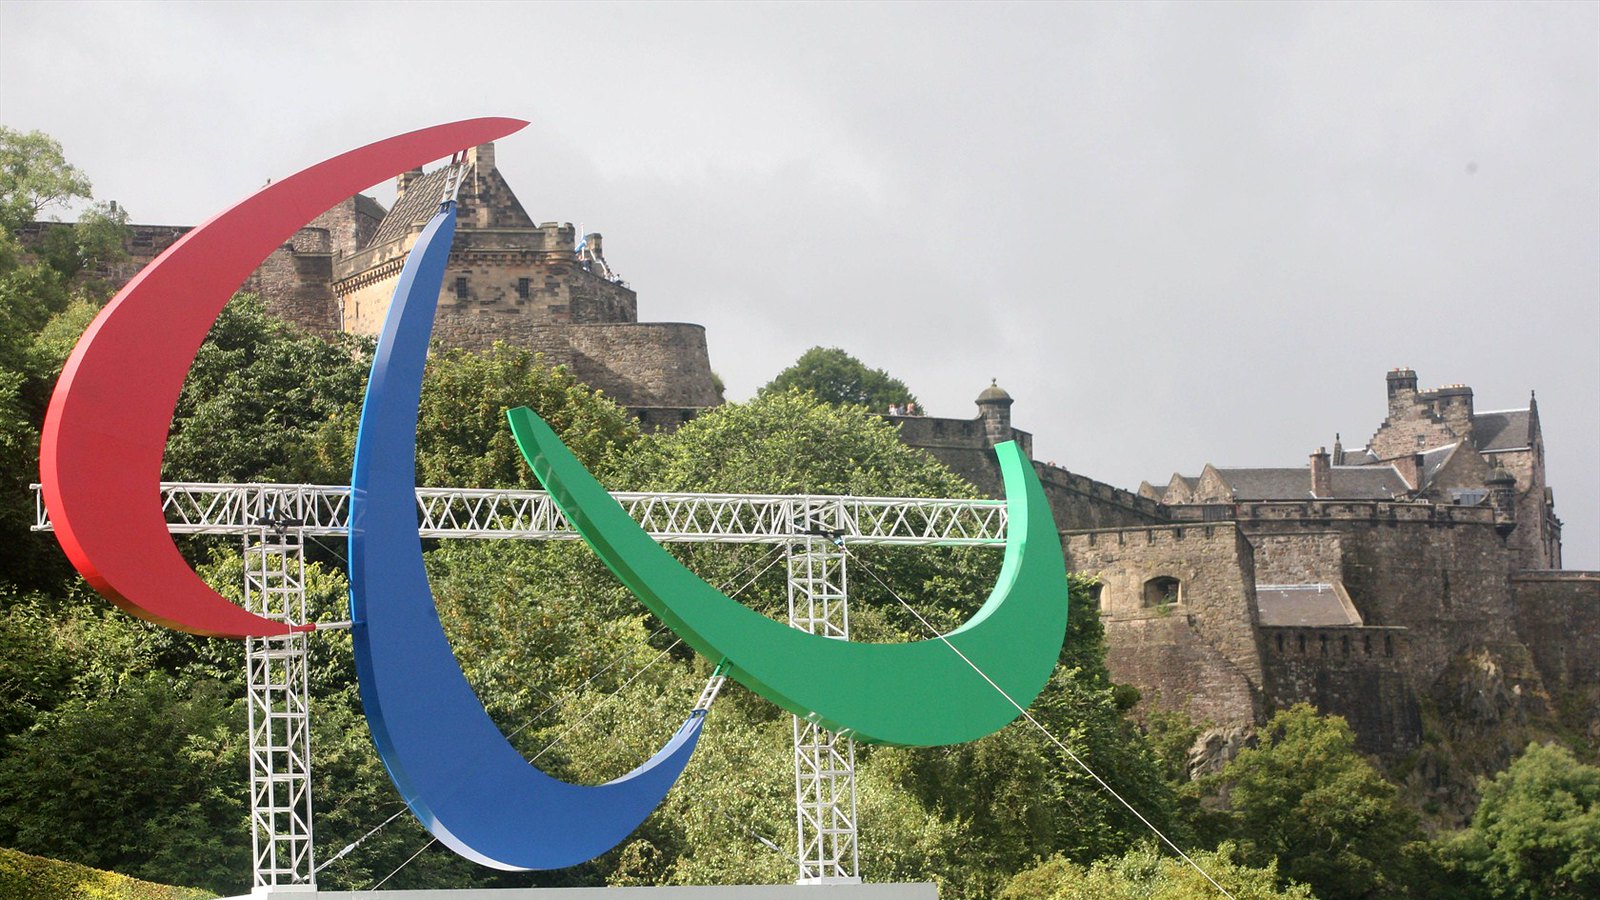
(135, 782)
(258, 397)
(462, 436)
(1536, 832)
(1145, 874)
(1308, 800)
(839, 378)
(36, 284)
(35, 176)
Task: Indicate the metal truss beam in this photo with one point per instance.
(275, 519)
(323, 510)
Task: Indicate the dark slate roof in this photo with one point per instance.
(1268, 484)
(1368, 483)
(1434, 460)
(1349, 483)
(1307, 605)
(415, 207)
(1505, 430)
(1360, 456)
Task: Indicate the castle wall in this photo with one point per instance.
(295, 282)
(637, 364)
(1537, 537)
(1440, 571)
(1312, 557)
(1557, 614)
(962, 445)
(1078, 502)
(1357, 673)
(1198, 654)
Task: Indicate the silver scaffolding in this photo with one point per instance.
(276, 519)
(280, 710)
(824, 761)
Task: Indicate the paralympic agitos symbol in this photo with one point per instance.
(100, 464)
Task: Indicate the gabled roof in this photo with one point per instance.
(1434, 460)
(1502, 430)
(368, 206)
(1349, 483)
(1360, 456)
(413, 208)
(1368, 483)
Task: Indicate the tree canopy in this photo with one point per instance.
(1306, 800)
(1536, 832)
(835, 376)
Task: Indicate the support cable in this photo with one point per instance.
(1039, 725)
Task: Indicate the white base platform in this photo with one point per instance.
(923, 891)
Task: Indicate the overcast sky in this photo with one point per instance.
(1177, 234)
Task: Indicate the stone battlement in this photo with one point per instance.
(1380, 512)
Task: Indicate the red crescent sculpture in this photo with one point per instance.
(106, 427)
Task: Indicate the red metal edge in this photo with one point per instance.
(106, 427)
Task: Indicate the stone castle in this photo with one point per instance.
(1415, 578)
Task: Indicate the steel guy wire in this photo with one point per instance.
(1039, 725)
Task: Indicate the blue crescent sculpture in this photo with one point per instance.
(469, 787)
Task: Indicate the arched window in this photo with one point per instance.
(1162, 590)
(1096, 593)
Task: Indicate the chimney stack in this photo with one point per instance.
(1321, 475)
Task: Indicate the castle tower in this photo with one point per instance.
(1502, 487)
(994, 409)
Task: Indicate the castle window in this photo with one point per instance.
(1162, 590)
(524, 287)
(1095, 592)
(461, 288)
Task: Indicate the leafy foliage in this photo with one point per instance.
(1536, 832)
(143, 760)
(1307, 800)
(1145, 874)
(836, 377)
(34, 176)
(257, 398)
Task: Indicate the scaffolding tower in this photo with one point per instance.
(824, 761)
(280, 711)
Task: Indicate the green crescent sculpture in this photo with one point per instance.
(921, 693)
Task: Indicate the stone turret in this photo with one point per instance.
(1502, 487)
(994, 409)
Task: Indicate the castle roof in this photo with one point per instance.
(1504, 430)
(1349, 483)
(1434, 460)
(1303, 605)
(412, 208)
